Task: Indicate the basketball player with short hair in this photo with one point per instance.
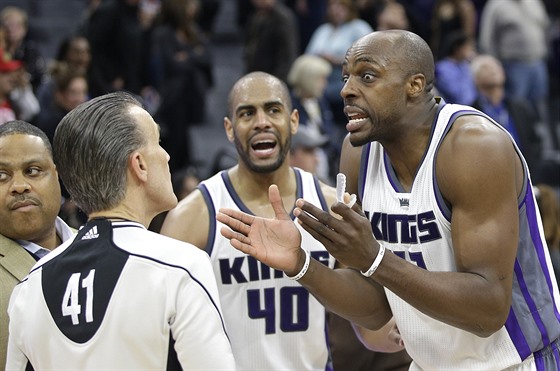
(118, 296)
(273, 322)
(448, 238)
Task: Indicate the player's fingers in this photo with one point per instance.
(312, 212)
(239, 245)
(348, 212)
(239, 215)
(234, 223)
(241, 240)
(319, 224)
(319, 234)
(277, 203)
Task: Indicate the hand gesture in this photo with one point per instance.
(275, 242)
(348, 238)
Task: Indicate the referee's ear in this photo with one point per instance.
(137, 166)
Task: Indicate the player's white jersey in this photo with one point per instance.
(416, 226)
(119, 297)
(273, 322)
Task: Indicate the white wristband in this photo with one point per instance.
(376, 262)
(304, 269)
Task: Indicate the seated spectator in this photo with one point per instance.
(17, 100)
(8, 70)
(549, 207)
(20, 46)
(73, 50)
(516, 32)
(305, 149)
(392, 16)
(514, 114)
(307, 80)
(70, 89)
(454, 79)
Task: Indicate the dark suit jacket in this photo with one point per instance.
(15, 264)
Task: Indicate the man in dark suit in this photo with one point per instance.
(29, 204)
(515, 115)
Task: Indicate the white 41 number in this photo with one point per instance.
(71, 303)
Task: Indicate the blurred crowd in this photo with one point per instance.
(499, 56)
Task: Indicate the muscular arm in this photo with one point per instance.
(188, 221)
(480, 175)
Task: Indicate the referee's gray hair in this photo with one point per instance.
(92, 144)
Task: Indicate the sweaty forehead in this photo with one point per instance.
(23, 147)
(258, 92)
(380, 51)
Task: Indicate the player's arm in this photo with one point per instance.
(188, 221)
(387, 339)
(480, 175)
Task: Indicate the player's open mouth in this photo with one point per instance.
(264, 147)
(355, 121)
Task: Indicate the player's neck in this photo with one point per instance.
(249, 183)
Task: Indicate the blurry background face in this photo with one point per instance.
(490, 82)
(74, 94)
(7, 83)
(15, 27)
(313, 84)
(79, 54)
(305, 158)
(338, 11)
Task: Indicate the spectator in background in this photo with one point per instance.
(8, 70)
(549, 207)
(515, 32)
(454, 79)
(70, 89)
(331, 40)
(182, 66)
(17, 100)
(307, 80)
(514, 114)
(271, 39)
(310, 14)
(451, 16)
(304, 149)
(74, 50)
(118, 32)
(392, 16)
(19, 46)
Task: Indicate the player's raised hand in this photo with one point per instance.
(347, 236)
(275, 242)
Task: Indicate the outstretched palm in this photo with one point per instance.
(275, 242)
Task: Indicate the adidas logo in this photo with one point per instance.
(92, 233)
